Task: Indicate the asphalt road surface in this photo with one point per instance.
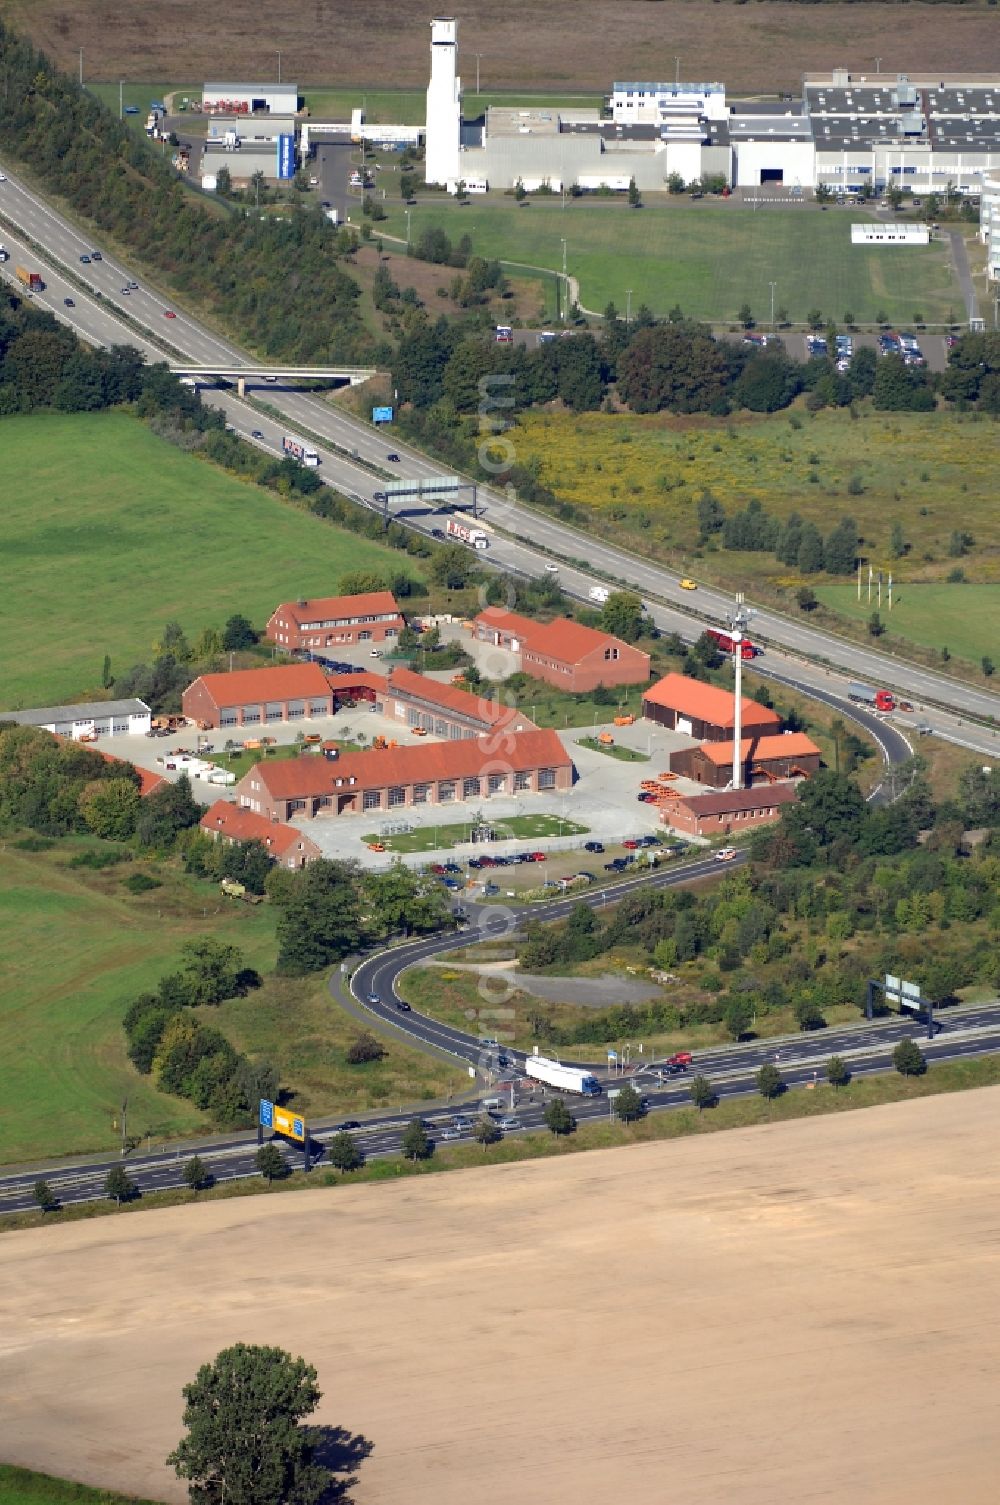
(354, 461)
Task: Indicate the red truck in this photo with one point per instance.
(727, 643)
(877, 700)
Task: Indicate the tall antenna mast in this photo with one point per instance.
(739, 621)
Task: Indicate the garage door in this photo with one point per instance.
(684, 726)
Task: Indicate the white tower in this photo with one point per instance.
(444, 104)
(739, 620)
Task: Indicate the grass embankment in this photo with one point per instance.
(709, 257)
(126, 532)
(441, 838)
(741, 1113)
(614, 750)
(77, 949)
(23, 1486)
(931, 473)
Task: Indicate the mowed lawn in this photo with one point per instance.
(965, 619)
(107, 532)
(77, 947)
(709, 257)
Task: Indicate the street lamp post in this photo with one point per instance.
(478, 56)
(878, 65)
(279, 67)
(772, 286)
(407, 229)
(565, 282)
(628, 307)
(81, 67)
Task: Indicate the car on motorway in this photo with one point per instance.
(402, 1005)
(372, 998)
(436, 532)
(126, 291)
(69, 302)
(256, 434)
(168, 313)
(393, 457)
(593, 846)
(903, 705)
(2, 178)
(725, 854)
(510, 1122)
(349, 1123)
(380, 496)
(133, 287)
(461, 1121)
(96, 256)
(552, 569)
(688, 585)
(85, 261)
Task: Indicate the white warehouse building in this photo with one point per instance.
(989, 224)
(250, 99)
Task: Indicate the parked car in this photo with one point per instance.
(537, 856)
(725, 854)
(593, 846)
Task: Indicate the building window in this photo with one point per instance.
(546, 778)
(420, 793)
(440, 728)
(371, 799)
(471, 789)
(364, 637)
(522, 781)
(496, 783)
(446, 792)
(412, 717)
(397, 796)
(611, 653)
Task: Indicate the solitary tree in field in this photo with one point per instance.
(196, 1174)
(245, 1443)
(415, 1144)
(628, 1104)
(838, 1073)
(487, 1131)
(909, 1059)
(769, 1082)
(344, 1152)
(271, 1163)
(703, 1094)
(558, 1118)
(117, 1185)
(44, 1196)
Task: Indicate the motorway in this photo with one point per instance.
(354, 461)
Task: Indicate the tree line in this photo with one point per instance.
(281, 282)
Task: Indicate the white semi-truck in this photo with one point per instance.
(562, 1078)
(474, 537)
(296, 450)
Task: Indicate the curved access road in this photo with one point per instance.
(354, 461)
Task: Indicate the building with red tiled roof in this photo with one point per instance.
(704, 711)
(257, 697)
(563, 653)
(231, 823)
(428, 773)
(787, 756)
(329, 622)
(728, 812)
(445, 710)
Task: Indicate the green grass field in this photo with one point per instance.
(409, 106)
(22, 1486)
(77, 947)
(965, 619)
(108, 532)
(516, 828)
(709, 257)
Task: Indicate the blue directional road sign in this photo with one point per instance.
(266, 1113)
(381, 415)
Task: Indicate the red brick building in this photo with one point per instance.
(259, 697)
(329, 622)
(704, 711)
(429, 773)
(233, 823)
(791, 755)
(728, 812)
(563, 653)
(445, 710)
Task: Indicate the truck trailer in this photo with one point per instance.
(474, 537)
(31, 280)
(878, 700)
(563, 1078)
(727, 643)
(296, 450)
(599, 594)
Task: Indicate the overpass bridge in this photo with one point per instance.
(355, 375)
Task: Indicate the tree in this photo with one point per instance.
(558, 1118)
(271, 1163)
(838, 1073)
(453, 566)
(909, 1059)
(809, 1015)
(745, 316)
(628, 1104)
(415, 1143)
(110, 808)
(364, 1049)
(622, 615)
(634, 196)
(703, 1094)
(117, 1185)
(44, 1196)
(319, 920)
(987, 665)
(806, 598)
(196, 1174)
(876, 627)
(769, 1082)
(897, 541)
(810, 559)
(344, 1153)
(245, 1444)
(738, 1017)
(486, 1131)
(238, 634)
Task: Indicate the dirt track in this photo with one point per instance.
(806, 1313)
